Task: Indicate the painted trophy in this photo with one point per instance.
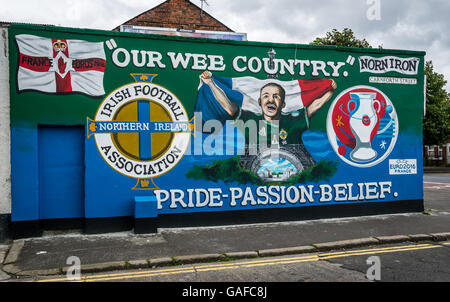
(363, 119)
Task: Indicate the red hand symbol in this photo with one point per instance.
(61, 65)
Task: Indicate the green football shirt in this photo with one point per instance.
(287, 130)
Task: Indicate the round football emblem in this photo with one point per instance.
(362, 126)
(141, 130)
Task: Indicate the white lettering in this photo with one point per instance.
(161, 196)
(154, 57)
(325, 195)
(235, 194)
(178, 59)
(216, 63)
(236, 66)
(126, 57)
(319, 66)
(335, 66)
(251, 67)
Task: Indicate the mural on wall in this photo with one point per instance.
(210, 125)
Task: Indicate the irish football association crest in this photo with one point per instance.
(141, 130)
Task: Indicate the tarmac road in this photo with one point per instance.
(437, 178)
(423, 262)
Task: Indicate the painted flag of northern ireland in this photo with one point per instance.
(60, 66)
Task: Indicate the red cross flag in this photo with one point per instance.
(60, 66)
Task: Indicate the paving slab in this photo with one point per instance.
(392, 239)
(3, 251)
(287, 251)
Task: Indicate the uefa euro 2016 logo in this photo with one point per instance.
(141, 130)
(362, 126)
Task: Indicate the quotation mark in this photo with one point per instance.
(111, 44)
(350, 60)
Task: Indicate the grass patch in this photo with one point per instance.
(230, 170)
(176, 262)
(426, 212)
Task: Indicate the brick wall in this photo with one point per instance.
(178, 14)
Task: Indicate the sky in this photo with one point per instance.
(394, 24)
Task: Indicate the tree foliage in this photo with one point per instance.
(345, 38)
(436, 124)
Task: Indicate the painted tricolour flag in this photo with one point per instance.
(245, 92)
(60, 66)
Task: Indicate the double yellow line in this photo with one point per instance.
(247, 263)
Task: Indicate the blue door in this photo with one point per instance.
(61, 172)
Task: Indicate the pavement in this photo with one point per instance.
(52, 253)
(436, 169)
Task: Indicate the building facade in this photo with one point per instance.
(179, 14)
(112, 131)
(437, 155)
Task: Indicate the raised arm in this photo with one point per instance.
(230, 107)
(319, 102)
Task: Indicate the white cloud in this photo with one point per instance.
(404, 24)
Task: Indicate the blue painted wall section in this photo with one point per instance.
(61, 172)
(25, 173)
